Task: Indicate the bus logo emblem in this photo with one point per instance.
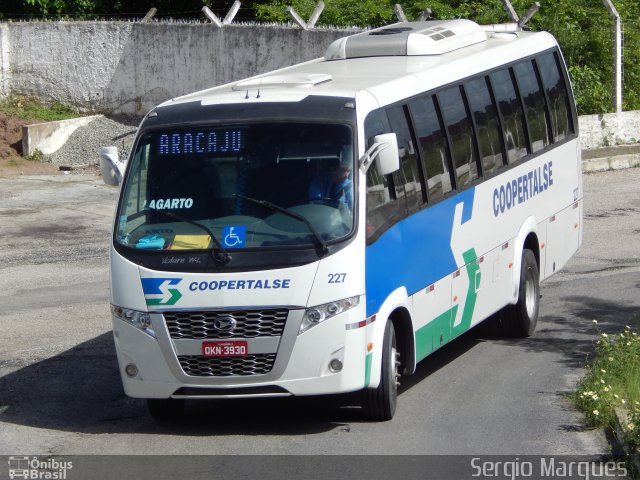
(161, 291)
(224, 324)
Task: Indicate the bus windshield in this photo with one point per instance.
(251, 186)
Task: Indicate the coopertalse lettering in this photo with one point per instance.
(522, 188)
(275, 284)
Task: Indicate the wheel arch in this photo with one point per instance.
(392, 310)
(527, 239)
(405, 339)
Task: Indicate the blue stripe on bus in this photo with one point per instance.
(415, 252)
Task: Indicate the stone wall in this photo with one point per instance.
(126, 67)
(609, 129)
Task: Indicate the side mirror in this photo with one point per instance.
(385, 150)
(111, 167)
(388, 160)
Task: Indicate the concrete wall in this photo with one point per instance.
(4, 61)
(126, 67)
(609, 129)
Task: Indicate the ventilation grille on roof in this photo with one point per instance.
(409, 38)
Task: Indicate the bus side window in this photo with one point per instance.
(384, 209)
(433, 145)
(407, 179)
(511, 109)
(460, 132)
(485, 114)
(556, 91)
(534, 104)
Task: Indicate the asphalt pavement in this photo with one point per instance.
(60, 391)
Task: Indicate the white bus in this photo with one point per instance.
(323, 228)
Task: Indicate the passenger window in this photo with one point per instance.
(433, 146)
(488, 132)
(534, 105)
(383, 207)
(407, 179)
(556, 90)
(460, 131)
(376, 123)
(511, 110)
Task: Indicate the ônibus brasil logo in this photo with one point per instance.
(158, 291)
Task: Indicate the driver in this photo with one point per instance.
(334, 186)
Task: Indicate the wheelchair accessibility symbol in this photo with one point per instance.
(234, 237)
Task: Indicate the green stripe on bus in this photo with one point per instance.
(473, 272)
(443, 324)
(367, 369)
(425, 335)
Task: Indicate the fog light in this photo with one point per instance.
(131, 370)
(335, 365)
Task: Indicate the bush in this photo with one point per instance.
(613, 380)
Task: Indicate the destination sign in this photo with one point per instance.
(212, 141)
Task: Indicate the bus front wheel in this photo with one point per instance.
(380, 403)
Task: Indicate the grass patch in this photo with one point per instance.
(36, 156)
(613, 380)
(29, 108)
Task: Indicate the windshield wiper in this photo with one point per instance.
(277, 208)
(218, 252)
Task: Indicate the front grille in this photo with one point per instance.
(248, 323)
(198, 366)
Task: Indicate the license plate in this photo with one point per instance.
(227, 348)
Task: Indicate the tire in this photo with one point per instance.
(380, 403)
(522, 318)
(163, 409)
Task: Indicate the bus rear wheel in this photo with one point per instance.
(163, 409)
(380, 403)
(522, 318)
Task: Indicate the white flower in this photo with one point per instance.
(616, 395)
(594, 397)
(602, 381)
(603, 370)
(611, 359)
(595, 322)
(630, 426)
(623, 401)
(606, 389)
(596, 412)
(604, 335)
(627, 327)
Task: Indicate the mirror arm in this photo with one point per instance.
(370, 155)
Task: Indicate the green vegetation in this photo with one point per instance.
(613, 380)
(27, 108)
(583, 27)
(36, 156)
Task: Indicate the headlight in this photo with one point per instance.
(315, 315)
(140, 320)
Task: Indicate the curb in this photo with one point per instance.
(615, 162)
(619, 438)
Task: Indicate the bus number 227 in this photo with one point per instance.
(337, 277)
